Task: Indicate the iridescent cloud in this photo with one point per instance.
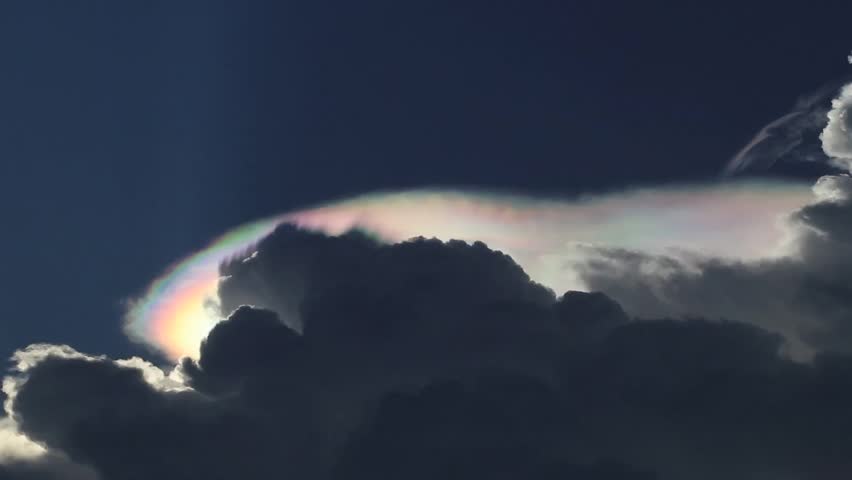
(733, 220)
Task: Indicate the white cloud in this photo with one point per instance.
(16, 446)
(837, 135)
(18, 452)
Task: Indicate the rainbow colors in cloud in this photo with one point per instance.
(733, 220)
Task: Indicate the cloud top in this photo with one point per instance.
(837, 135)
(734, 220)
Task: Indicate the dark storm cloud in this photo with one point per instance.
(402, 299)
(110, 415)
(428, 359)
(496, 427)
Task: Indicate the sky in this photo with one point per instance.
(132, 134)
(688, 161)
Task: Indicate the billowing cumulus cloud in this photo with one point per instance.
(837, 135)
(741, 220)
(21, 458)
(349, 351)
(804, 295)
(424, 359)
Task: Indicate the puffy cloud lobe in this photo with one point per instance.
(400, 301)
(428, 359)
(253, 343)
(101, 413)
(837, 135)
(826, 220)
(20, 458)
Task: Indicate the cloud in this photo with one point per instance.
(366, 360)
(804, 296)
(362, 355)
(544, 236)
(105, 414)
(772, 142)
(21, 458)
(792, 138)
(813, 131)
(498, 427)
(837, 135)
(13, 445)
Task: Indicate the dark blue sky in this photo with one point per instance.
(133, 132)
